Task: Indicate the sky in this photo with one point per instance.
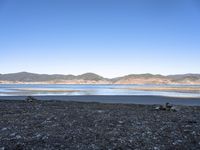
(108, 37)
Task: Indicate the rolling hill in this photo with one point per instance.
(91, 78)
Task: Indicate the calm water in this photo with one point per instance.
(61, 89)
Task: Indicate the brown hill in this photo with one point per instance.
(91, 78)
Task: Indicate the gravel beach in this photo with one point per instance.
(90, 125)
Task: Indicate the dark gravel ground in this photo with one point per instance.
(75, 125)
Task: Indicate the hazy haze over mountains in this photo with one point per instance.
(91, 78)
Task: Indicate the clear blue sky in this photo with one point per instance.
(107, 37)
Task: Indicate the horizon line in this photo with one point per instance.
(101, 75)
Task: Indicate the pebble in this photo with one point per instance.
(3, 129)
(156, 148)
(38, 135)
(78, 127)
(100, 111)
(18, 137)
(193, 132)
(148, 132)
(45, 137)
(155, 138)
(188, 126)
(13, 134)
(138, 123)
(177, 142)
(120, 122)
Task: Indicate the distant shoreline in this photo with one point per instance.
(169, 89)
(46, 83)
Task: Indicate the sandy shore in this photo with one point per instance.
(76, 125)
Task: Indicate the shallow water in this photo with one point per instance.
(63, 89)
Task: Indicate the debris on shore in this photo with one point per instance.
(30, 99)
(167, 107)
(94, 126)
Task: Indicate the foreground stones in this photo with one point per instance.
(73, 125)
(167, 107)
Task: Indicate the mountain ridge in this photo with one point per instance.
(92, 78)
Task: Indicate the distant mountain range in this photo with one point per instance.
(91, 78)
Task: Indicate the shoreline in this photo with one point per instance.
(92, 83)
(169, 89)
(101, 82)
(119, 99)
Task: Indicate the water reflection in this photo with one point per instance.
(62, 89)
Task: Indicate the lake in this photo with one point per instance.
(63, 89)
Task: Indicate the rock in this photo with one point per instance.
(120, 122)
(3, 129)
(18, 146)
(167, 106)
(157, 108)
(160, 108)
(45, 137)
(38, 135)
(18, 137)
(100, 111)
(173, 108)
(193, 133)
(177, 142)
(80, 126)
(13, 134)
(31, 99)
(149, 132)
(156, 148)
